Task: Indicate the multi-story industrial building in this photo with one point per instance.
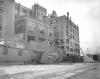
(36, 31)
(32, 28)
(66, 34)
(44, 33)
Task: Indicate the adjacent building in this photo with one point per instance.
(66, 34)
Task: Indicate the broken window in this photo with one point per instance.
(50, 42)
(51, 22)
(41, 39)
(56, 34)
(62, 41)
(31, 38)
(57, 41)
(70, 36)
(24, 11)
(56, 27)
(31, 26)
(56, 20)
(62, 47)
(42, 28)
(50, 31)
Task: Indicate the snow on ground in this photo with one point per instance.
(34, 71)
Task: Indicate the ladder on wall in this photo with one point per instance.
(83, 55)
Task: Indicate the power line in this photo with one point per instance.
(89, 43)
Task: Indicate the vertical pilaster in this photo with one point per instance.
(8, 22)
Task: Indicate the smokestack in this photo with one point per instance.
(68, 15)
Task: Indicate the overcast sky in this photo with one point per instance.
(85, 13)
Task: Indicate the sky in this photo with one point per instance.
(85, 13)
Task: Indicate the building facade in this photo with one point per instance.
(66, 34)
(39, 32)
(33, 29)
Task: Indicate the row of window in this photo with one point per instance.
(74, 32)
(74, 37)
(72, 44)
(76, 45)
(57, 26)
(31, 38)
(22, 10)
(5, 51)
(59, 41)
(42, 40)
(72, 50)
(41, 28)
(40, 15)
(61, 33)
(19, 27)
(26, 11)
(55, 21)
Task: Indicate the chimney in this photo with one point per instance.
(68, 15)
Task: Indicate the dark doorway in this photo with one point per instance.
(95, 57)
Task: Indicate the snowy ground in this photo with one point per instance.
(61, 71)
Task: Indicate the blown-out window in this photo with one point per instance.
(42, 28)
(50, 43)
(51, 22)
(50, 31)
(19, 27)
(57, 41)
(24, 11)
(31, 38)
(32, 26)
(41, 39)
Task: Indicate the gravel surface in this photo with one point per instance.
(61, 71)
